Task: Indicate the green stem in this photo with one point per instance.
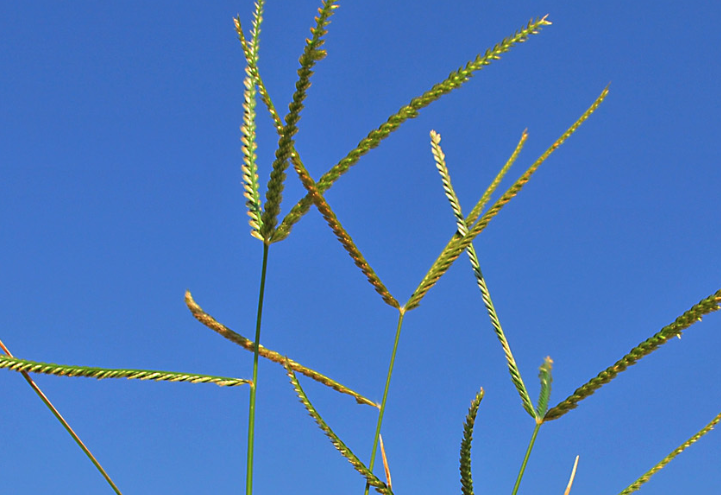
(385, 395)
(525, 459)
(254, 384)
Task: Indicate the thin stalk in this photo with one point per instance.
(65, 424)
(525, 459)
(254, 385)
(385, 394)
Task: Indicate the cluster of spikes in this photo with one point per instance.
(266, 227)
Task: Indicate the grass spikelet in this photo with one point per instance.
(461, 224)
(23, 365)
(371, 479)
(311, 54)
(693, 315)
(266, 353)
(264, 96)
(476, 211)
(647, 476)
(440, 158)
(460, 243)
(465, 468)
(518, 185)
(544, 374)
(342, 235)
(454, 80)
(250, 168)
(515, 373)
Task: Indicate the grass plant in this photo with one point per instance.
(268, 227)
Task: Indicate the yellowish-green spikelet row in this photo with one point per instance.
(21, 365)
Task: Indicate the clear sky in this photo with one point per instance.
(120, 160)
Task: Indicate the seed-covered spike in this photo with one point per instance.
(274, 193)
(373, 139)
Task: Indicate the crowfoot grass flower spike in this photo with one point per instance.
(351, 348)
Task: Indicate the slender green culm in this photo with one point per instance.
(525, 459)
(462, 225)
(65, 425)
(454, 80)
(465, 468)
(693, 315)
(357, 464)
(23, 365)
(544, 375)
(250, 168)
(254, 385)
(311, 54)
(271, 355)
(382, 411)
(647, 476)
(459, 243)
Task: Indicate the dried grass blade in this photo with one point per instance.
(374, 138)
(465, 468)
(386, 467)
(65, 424)
(311, 54)
(694, 314)
(643, 479)
(23, 365)
(460, 243)
(573, 477)
(371, 479)
(276, 357)
(462, 226)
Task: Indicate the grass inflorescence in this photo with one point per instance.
(267, 226)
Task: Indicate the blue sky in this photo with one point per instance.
(120, 160)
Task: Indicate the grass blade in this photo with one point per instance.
(694, 314)
(371, 479)
(65, 424)
(643, 479)
(23, 365)
(266, 353)
(311, 54)
(455, 80)
(466, 477)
